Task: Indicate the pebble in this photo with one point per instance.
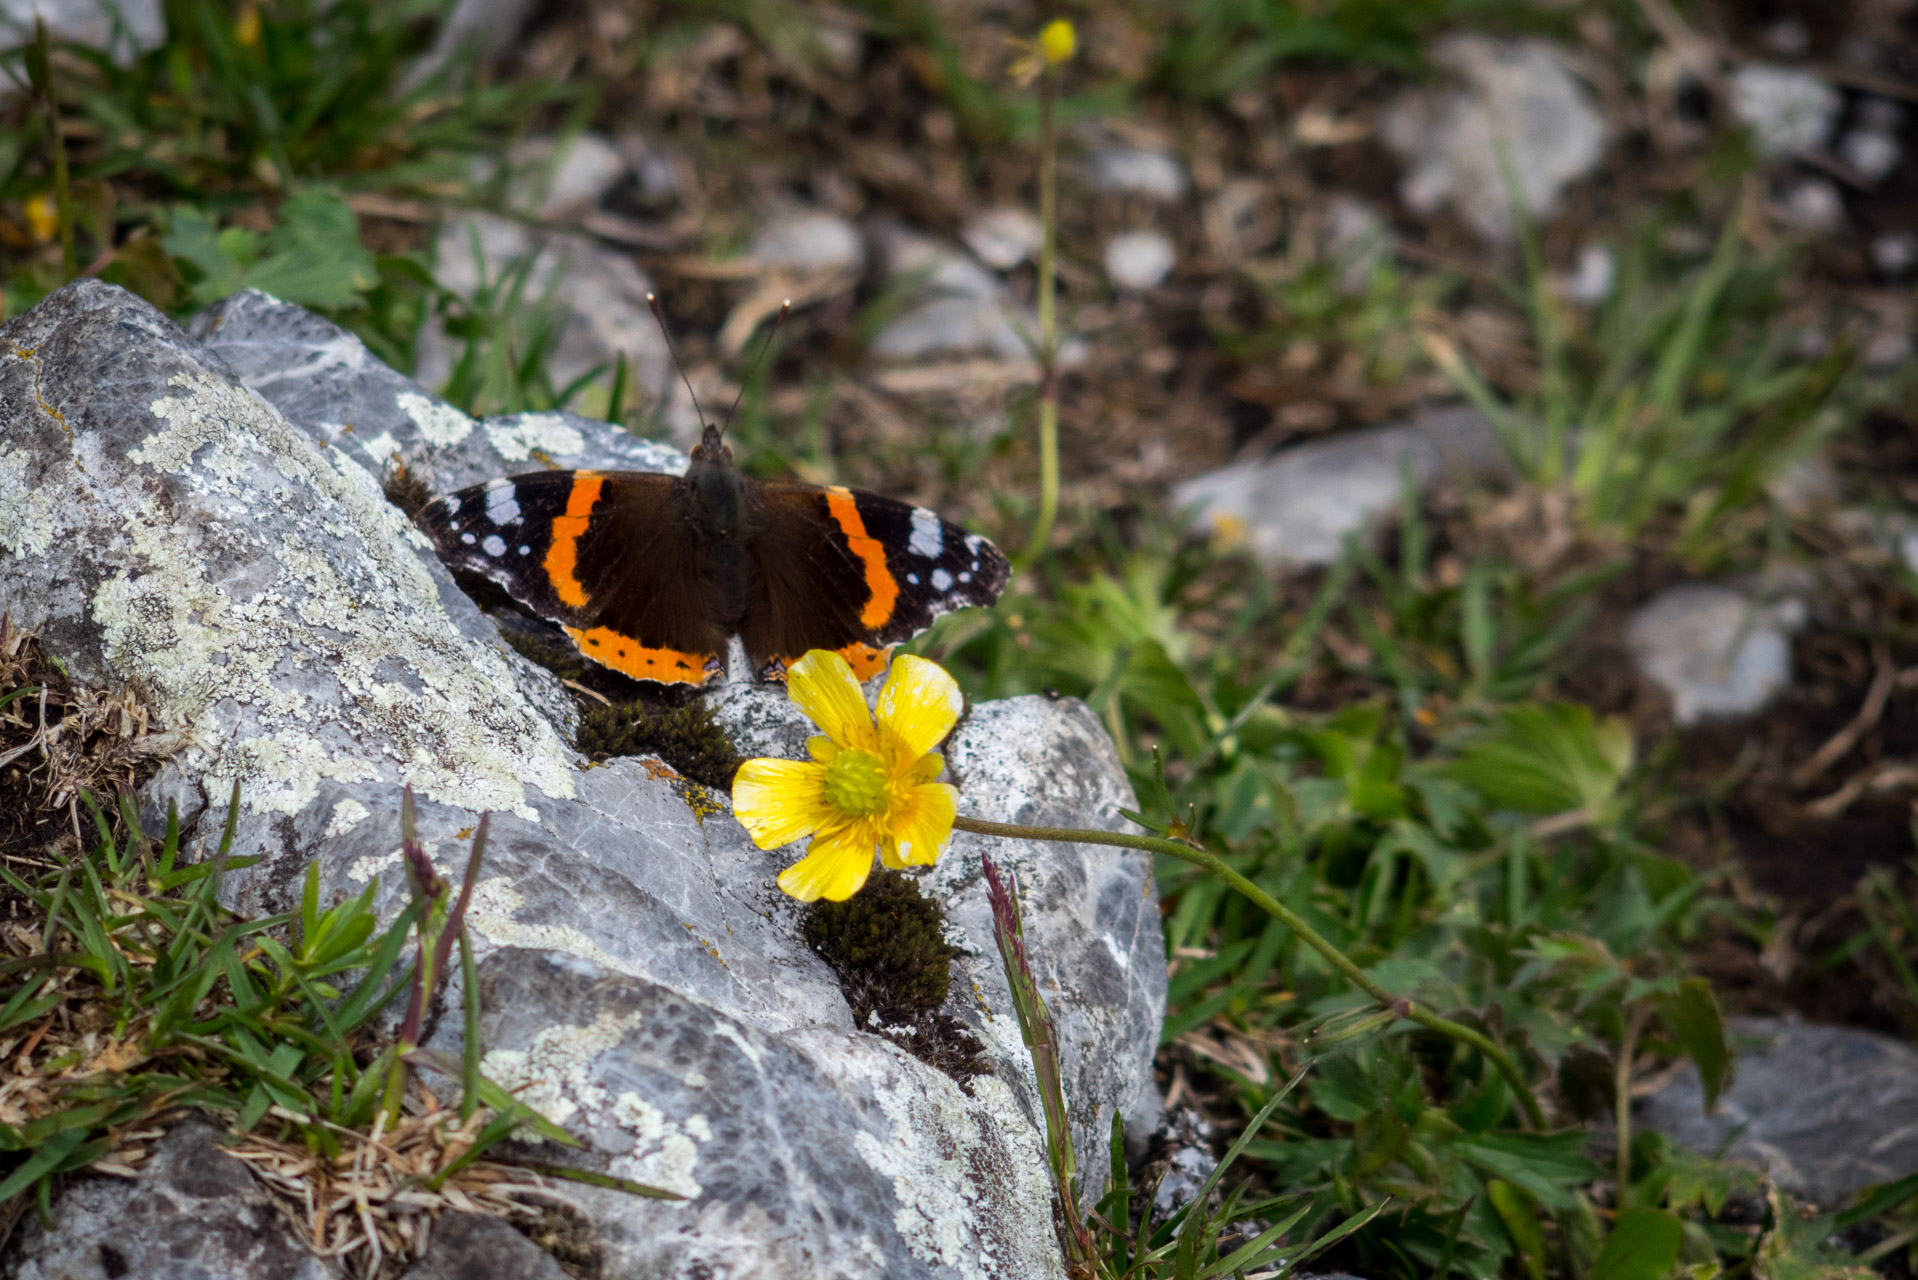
(1519, 100)
(1894, 254)
(1788, 111)
(1814, 207)
(1139, 260)
(1713, 650)
(809, 241)
(1003, 238)
(1592, 276)
(1134, 171)
(1359, 239)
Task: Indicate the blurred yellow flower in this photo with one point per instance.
(1054, 46)
(246, 29)
(43, 217)
(869, 786)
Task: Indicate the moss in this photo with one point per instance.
(407, 491)
(688, 738)
(887, 943)
(565, 1236)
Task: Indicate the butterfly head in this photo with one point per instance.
(712, 450)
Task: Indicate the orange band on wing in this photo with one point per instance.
(866, 661)
(562, 557)
(879, 579)
(629, 657)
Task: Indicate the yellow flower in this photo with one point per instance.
(1054, 45)
(868, 786)
(246, 29)
(43, 217)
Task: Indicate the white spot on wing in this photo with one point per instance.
(494, 545)
(452, 505)
(913, 578)
(502, 502)
(941, 580)
(468, 539)
(928, 539)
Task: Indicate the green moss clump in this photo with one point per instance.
(887, 943)
(688, 738)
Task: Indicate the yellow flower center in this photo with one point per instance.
(856, 783)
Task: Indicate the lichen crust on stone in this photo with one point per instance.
(339, 661)
(516, 439)
(26, 510)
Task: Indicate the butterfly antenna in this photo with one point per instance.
(673, 351)
(758, 360)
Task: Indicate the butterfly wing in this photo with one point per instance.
(606, 554)
(855, 572)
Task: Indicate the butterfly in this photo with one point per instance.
(654, 575)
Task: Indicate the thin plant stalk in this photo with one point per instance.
(1048, 317)
(1404, 1006)
(1622, 1102)
(40, 74)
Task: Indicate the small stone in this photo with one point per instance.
(1003, 238)
(1805, 486)
(1828, 1111)
(1592, 277)
(1894, 254)
(1297, 507)
(555, 179)
(1888, 349)
(484, 29)
(950, 325)
(1358, 238)
(93, 23)
(1134, 171)
(1520, 102)
(1714, 651)
(1788, 111)
(1139, 260)
(1813, 207)
(1870, 153)
(808, 242)
(655, 178)
(476, 1246)
(1787, 38)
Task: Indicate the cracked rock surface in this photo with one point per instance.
(203, 519)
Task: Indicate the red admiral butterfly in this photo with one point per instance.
(652, 575)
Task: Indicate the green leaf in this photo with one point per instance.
(1548, 758)
(41, 1163)
(1543, 1164)
(1692, 1016)
(1378, 1139)
(1643, 1246)
(1516, 1213)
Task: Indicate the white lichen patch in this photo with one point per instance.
(968, 1173)
(490, 915)
(26, 512)
(440, 423)
(664, 1153)
(555, 1075)
(275, 604)
(549, 433)
(345, 814)
(364, 869)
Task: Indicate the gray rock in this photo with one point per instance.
(1788, 111)
(325, 382)
(165, 525)
(474, 1246)
(1813, 207)
(1139, 260)
(554, 178)
(1520, 101)
(1592, 276)
(483, 30)
(1359, 239)
(1713, 649)
(1136, 171)
(807, 241)
(1872, 154)
(193, 1213)
(599, 295)
(1828, 1110)
(1004, 237)
(122, 27)
(1894, 254)
(1298, 506)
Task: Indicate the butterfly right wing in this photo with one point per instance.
(602, 553)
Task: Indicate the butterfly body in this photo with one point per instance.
(653, 575)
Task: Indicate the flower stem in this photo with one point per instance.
(1404, 1006)
(1048, 320)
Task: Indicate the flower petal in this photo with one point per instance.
(823, 686)
(834, 867)
(922, 823)
(778, 801)
(920, 703)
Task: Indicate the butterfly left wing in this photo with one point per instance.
(856, 572)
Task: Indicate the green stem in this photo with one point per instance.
(1622, 1099)
(1403, 1006)
(1048, 322)
(40, 73)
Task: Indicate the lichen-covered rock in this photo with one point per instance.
(472, 1246)
(193, 1213)
(233, 557)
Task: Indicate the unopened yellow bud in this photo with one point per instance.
(247, 29)
(1058, 41)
